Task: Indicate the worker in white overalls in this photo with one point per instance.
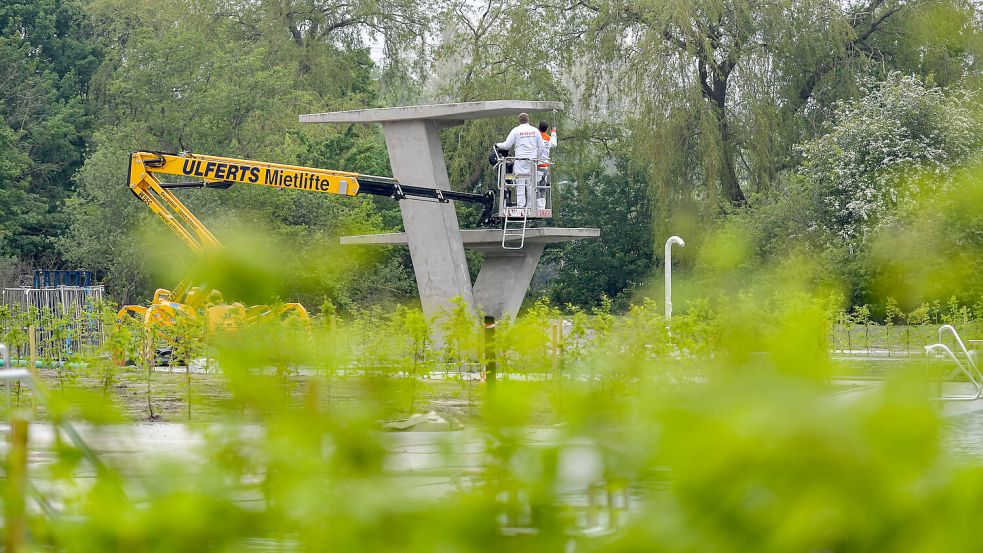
(526, 141)
(549, 141)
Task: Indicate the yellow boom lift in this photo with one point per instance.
(222, 173)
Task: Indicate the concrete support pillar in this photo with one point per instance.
(505, 274)
(504, 279)
(434, 235)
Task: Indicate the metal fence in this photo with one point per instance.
(64, 317)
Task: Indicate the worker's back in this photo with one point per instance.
(525, 140)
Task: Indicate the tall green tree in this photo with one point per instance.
(20, 210)
(48, 53)
(718, 91)
(327, 43)
(618, 262)
(490, 51)
(226, 78)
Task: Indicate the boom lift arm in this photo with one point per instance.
(221, 172)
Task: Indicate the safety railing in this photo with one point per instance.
(970, 370)
(24, 376)
(534, 177)
(18, 432)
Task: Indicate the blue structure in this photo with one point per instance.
(54, 279)
(71, 296)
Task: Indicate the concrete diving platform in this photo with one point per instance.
(435, 240)
(413, 141)
(505, 275)
(444, 114)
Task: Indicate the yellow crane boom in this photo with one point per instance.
(222, 172)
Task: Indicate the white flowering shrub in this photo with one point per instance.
(865, 164)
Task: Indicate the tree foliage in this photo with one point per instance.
(715, 104)
(48, 54)
(876, 145)
(889, 157)
(717, 93)
(619, 261)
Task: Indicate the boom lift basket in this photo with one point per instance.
(535, 176)
(538, 181)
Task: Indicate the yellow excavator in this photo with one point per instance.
(222, 173)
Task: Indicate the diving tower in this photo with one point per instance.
(436, 242)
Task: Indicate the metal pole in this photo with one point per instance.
(668, 262)
(491, 358)
(6, 366)
(14, 506)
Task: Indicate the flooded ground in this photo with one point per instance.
(431, 465)
(963, 420)
(965, 435)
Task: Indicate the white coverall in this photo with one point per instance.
(526, 141)
(549, 142)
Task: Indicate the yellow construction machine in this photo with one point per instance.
(222, 173)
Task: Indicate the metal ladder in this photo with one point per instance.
(972, 372)
(514, 227)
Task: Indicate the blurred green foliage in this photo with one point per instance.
(609, 427)
(722, 428)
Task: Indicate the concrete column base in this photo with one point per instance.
(504, 279)
(505, 275)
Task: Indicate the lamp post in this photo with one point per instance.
(668, 262)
